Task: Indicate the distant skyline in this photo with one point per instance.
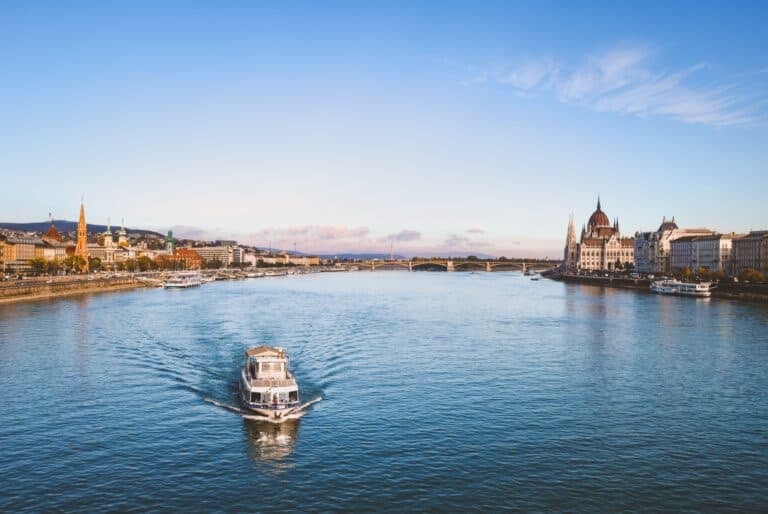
(341, 126)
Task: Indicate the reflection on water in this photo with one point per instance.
(271, 442)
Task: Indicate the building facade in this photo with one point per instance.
(712, 252)
(681, 253)
(227, 255)
(653, 249)
(181, 258)
(750, 252)
(600, 246)
(18, 251)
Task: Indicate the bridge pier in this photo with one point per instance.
(373, 266)
(410, 266)
(449, 265)
(488, 266)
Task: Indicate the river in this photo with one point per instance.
(438, 391)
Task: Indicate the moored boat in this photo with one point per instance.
(183, 280)
(267, 386)
(676, 287)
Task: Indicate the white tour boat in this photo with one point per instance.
(266, 384)
(676, 287)
(183, 280)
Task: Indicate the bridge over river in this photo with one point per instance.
(439, 264)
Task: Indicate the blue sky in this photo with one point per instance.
(437, 126)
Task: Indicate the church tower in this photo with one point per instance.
(122, 236)
(81, 250)
(109, 242)
(569, 252)
(169, 245)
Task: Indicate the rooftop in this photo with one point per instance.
(264, 351)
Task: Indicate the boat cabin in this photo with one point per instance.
(266, 362)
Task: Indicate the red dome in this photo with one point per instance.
(53, 233)
(599, 218)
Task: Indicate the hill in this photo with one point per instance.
(65, 226)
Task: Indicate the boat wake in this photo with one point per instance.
(296, 414)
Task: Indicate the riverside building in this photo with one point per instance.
(18, 251)
(600, 246)
(750, 252)
(653, 249)
(227, 255)
(712, 252)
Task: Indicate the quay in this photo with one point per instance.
(724, 290)
(38, 288)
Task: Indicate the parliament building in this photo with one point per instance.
(600, 246)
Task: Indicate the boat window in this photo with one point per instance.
(293, 396)
(255, 397)
(271, 366)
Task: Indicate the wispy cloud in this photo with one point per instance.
(313, 232)
(456, 241)
(533, 73)
(404, 235)
(475, 231)
(624, 81)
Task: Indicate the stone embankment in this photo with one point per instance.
(43, 288)
(732, 291)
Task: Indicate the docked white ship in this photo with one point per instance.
(266, 384)
(676, 287)
(183, 280)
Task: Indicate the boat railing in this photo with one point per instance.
(272, 382)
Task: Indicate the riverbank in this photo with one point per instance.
(30, 290)
(728, 291)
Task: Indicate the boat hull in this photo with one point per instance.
(702, 294)
(271, 413)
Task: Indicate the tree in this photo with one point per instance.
(53, 267)
(38, 265)
(703, 273)
(751, 275)
(130, 265)
(74, 263)
(214, 263)
(471, 257)
(686, 274)
(94, 263)
(144, 263)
